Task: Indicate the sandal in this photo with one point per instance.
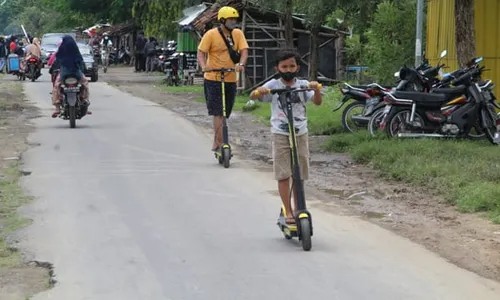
(290, 220)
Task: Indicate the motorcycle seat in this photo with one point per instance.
(422, 98)
(364, 87)
(451, 91)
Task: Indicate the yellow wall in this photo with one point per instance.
(441, 35)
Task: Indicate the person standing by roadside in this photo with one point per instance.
(3, 53)
(140, 58)
(226, 47)
(150, 54)
(12, 45)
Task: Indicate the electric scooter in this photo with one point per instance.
(302, 229)
(224, 154)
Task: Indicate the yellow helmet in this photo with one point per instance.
(227, 12)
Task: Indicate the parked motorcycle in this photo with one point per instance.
(367, 99)
(72, 107)
(446, 112)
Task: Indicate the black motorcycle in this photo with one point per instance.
(446, 112)
(368, 98)
(72, 107)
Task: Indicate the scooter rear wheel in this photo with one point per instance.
(305, 234)
(226, 156)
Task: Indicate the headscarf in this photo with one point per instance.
(68, 54)
(34, 49)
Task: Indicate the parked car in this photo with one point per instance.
(91, 67)
(49, 44)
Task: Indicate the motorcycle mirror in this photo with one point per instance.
(443, 54)
(479, 59)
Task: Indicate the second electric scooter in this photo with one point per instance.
(224, 154)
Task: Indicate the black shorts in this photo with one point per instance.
(213, 97)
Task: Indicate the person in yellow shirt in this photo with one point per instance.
(214, 53)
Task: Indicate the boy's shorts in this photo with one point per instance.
(282, 159)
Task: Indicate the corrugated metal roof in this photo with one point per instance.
(191, 13)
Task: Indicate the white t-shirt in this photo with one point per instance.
(279, 121)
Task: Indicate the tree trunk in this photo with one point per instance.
(314, 54)
(464, 31)
(288, 22)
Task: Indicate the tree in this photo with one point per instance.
(316, 13)
(8, 11)
(464, 31)
(157, 17)
(391, 38)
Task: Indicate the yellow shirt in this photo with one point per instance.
(218, 55)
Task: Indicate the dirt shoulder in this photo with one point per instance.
(19, 279)
(340, 186)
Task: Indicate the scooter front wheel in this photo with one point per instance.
(305, 234)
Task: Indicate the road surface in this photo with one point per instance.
(132, 205)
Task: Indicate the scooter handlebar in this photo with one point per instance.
(290, 89)
(219, 70)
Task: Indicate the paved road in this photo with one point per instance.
(131, 205)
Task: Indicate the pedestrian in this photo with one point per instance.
(140, 55)
(150, 54)
(226, 47)
(3, 54)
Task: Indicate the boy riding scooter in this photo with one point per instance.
(287, 65)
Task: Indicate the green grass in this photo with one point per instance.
(11, 198)
(466, 173)
(182, 88)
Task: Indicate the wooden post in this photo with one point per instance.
(254, 58)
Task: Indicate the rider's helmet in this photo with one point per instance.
(227, 12)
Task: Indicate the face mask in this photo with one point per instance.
(288, 76)
(230, 24)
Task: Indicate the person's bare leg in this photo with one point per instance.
(284, 190)
(217, 132)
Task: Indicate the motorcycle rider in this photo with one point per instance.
(71, 62)
(106, 44)
(34, 50)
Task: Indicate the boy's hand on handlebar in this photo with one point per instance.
(261, 91)
(315, 85)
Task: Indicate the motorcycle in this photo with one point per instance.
(72, 107)
(446, 112)
(368, 99)
(33, 69)
(104, 60)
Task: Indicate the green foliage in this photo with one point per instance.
(391, 38)
(157, 16)
(354, 50)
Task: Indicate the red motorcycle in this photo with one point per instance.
(32, 68)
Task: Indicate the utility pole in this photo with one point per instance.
(420, 25)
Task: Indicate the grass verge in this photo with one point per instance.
(11, 198)
(466, 173)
